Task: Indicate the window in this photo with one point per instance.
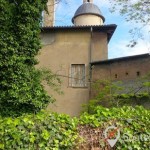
(116, 76)
(127, 73)
(138, 73)
(77, 75)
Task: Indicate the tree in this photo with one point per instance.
(137, 12)
(20, 83)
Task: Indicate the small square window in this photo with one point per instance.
(138, 73)
(77, 75)
(127, 73)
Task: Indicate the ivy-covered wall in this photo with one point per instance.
(20, 83)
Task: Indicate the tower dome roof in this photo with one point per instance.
(88, 8)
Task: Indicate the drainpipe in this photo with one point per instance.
(90, 59)
(90, 50)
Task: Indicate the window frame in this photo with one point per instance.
(71, 77)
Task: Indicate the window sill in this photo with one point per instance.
(80, 87)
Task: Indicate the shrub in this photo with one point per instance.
(133, 124)
(116, 93)
(52, 131)
(21, 90)
(43, 131)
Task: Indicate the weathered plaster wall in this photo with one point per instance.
(99, 46)
(88, 19)
(60, 50)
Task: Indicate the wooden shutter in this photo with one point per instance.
(78, 75)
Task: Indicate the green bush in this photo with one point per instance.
(52, 131)
(133, 123)
(21, 90)
(43, 131)
(107, 93)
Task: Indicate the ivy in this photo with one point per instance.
(43, 131)
(109, 94)
(21, 90)
(52, 131)
(133, 125)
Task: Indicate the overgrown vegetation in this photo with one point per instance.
(119, 101)
(133, 124)
(20, 85)
(43, 131)
(117, 94)
(51, 131)
(21, 93)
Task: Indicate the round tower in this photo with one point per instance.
(88, 14)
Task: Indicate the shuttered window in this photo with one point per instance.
(77, 75)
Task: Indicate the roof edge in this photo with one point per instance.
(120, 59)
(109, 29)
(78, 27)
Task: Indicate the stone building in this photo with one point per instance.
(79, 55)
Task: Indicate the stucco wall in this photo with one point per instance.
(88, 20)
(60, 50)
(99, 46)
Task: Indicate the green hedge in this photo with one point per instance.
(52, 131)
(43, 131)
(133, 123)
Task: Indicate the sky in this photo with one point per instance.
(118, 44)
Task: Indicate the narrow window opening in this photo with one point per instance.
(138, 73)
(116, 76)
(127, 73)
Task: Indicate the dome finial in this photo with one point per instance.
(87, 1)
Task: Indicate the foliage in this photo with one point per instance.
(43, 131)
(137, 12)
(52, 131)
(20, 85)
(133, 124)
(116, 93)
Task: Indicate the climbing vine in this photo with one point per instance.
(109, 94)
(20, 83)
